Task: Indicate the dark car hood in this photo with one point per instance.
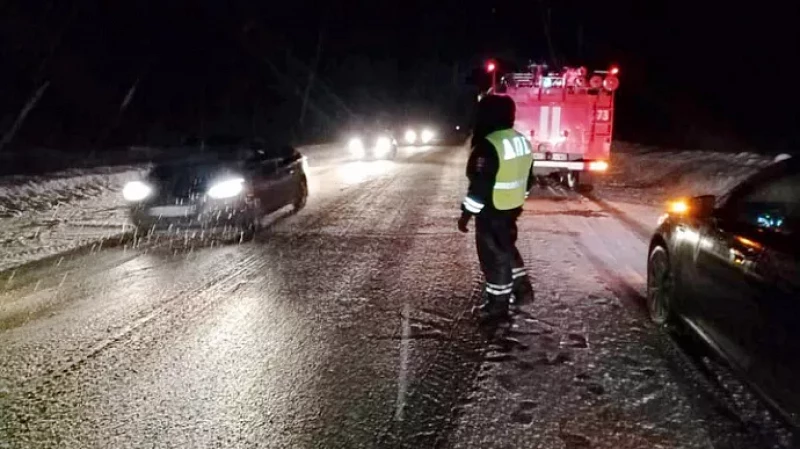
(188, 179)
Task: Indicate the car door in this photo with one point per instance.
(747, 274)
(288, 172)
(778, 350)
(263, 172)
(726, 286)
(296, 173)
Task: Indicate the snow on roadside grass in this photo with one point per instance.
(42, 216)
(651, 175)
(21, 195)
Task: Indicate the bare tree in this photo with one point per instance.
(311, 74)
(24, 113)
(37, 94)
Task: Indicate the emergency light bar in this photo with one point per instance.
(569, 77)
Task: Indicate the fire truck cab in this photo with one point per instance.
(568, 117)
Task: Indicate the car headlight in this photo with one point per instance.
(136, 191)
(427, 136)
(382, 145)
(226, 189)
(356, 146)
(411, 136)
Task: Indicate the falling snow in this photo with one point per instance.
(349, 323)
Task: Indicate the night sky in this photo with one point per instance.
(693, 74)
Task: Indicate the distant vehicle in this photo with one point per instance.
(224, 187)
(727, 270)
(420, 135)
(568, 119)
(372, 143)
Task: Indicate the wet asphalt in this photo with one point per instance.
(349, 325)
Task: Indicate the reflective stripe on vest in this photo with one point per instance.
(514, 156)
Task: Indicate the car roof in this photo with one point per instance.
(785, 166)
(774, 170)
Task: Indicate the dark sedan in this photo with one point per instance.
(217, 191)
(726, 269)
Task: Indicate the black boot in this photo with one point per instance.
(495, 309)
(523, 292)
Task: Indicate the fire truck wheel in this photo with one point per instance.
(573, 179)
(579, 182)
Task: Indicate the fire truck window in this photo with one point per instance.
(773, 205)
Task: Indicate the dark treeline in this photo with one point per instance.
(94, 74)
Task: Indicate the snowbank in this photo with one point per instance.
(652, 175)
(21, 195)
(42, 216)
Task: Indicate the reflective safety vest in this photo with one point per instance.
(515, 160)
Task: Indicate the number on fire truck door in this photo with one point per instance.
(602, 115)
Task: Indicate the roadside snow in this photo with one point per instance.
(650, 175)
(42, 216)
(20, 195)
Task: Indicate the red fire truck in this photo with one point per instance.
(568, 116)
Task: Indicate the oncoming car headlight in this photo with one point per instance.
(411, 136)
(228, 188)
(136, 191)
(356, 146)
(427, 135)
(382, 145)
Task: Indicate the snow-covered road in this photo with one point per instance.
(349, 325)
(583, 367)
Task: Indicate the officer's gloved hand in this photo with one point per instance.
(463, 222)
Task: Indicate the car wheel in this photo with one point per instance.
(141, 228)
(250, 230)
(660, 287)
(302, 195)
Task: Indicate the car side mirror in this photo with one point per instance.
(699, 207)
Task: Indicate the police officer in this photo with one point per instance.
(499, 172)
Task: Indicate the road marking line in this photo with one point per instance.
(402, 375)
